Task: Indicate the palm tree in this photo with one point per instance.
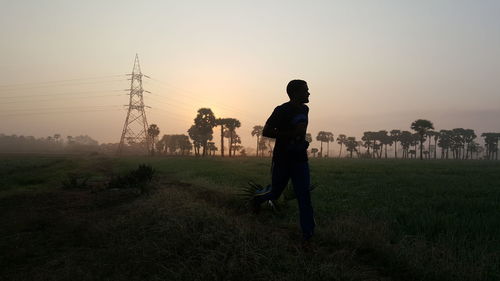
(257, 131)
(367, 138)
(469, 137)
(328, 138)
(436, 135)
(205, 121)
(221, 122)
(321, 137)
(406, 139)
(351, 144)
(314, 151)
(385, 140)
(395, 135)
(231, 125)
(491, 143)
(445, 142)
(421, 126)
(341, 139)
(153, 132)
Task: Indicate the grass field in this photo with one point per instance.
(377, 220)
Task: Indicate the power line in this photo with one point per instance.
(169, 104)
(59, 85)
(58, 108)
(56, 94)
(59, 81)
(58, 112)
(66, 98)
(170, 114)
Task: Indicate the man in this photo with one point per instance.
(288, 125)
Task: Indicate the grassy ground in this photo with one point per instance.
(377, 220)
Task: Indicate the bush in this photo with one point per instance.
(139, 178)
(74, 180)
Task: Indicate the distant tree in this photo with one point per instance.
(368, 139)
(231, 126)
(445, 142)
(384, 140)
(235, 144)
(360, 144)
(469, 137)
(309, 138)
(197, 137)
(421, 127)
(351, 145)
(85, 140)
(414, 142)
(321, 137)
(475, 148)
(211, 148)
(314, 151)
(429, 136)
(395, 135)
(328, 138)
(491, 144)
(458, 142)
(185, 145)
(204, 123)
(222, 122)
(262, 145)
(57, 138)
(153, 132)
(406, 140)
(174, 144)
(436, 136)
(257, 131)
(341, 140)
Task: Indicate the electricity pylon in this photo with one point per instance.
(135, 129)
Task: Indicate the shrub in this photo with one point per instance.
(139, 178)
(75, 180)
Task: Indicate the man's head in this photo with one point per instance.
(298, 91)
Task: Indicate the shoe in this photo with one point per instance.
(263, 191)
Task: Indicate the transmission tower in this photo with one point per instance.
(135, 129)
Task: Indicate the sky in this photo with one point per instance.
(370, 65)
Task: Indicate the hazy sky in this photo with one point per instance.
(370, 65)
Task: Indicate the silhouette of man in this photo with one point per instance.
(288, 124)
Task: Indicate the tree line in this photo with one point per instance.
(52, 144)
(422, 142)
(200, 136)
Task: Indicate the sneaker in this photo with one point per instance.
(263, 191)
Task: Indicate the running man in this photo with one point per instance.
(288, 124)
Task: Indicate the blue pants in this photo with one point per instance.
(299, 173)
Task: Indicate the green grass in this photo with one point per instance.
(377, 220)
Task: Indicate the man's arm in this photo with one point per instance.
(272, 127)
